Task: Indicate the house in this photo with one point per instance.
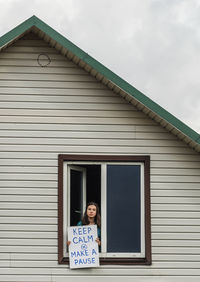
(72, 131)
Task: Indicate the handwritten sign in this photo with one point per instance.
(83, 250)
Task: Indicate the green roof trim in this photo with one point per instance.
(154, 107)
(17, 31)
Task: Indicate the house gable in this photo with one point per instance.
(107, 77)
(64, 97)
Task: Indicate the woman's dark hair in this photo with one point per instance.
(97, 218)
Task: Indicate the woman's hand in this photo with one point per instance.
(68, 243)
(98, 241)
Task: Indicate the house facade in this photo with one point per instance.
(62, 112)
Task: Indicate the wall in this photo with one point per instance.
(60, 109)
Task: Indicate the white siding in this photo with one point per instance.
(61, 109)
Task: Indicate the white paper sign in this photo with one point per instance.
(83, 250)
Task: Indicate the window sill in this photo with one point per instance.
(116, 261)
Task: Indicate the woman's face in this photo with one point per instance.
(91, 211)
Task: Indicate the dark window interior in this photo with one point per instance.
(93, 184)
(93, 190)
(76, 199)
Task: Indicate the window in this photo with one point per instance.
(121, 187)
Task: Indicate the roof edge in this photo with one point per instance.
(17, 31)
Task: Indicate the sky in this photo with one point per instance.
(152, 44)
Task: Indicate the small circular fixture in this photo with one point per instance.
(84, 247)
(43, 60)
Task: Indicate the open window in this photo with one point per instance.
(120, 186)
(76, 193)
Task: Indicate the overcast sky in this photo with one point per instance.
(152, 44)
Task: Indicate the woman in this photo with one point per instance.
(91, 216)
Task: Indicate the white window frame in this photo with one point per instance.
(66, 205)
(66, 197)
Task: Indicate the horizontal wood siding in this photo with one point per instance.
(60, 109)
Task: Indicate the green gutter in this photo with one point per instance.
(154, 107)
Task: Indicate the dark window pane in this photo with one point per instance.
(123, 208)
(76, 199)
(93, 184)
